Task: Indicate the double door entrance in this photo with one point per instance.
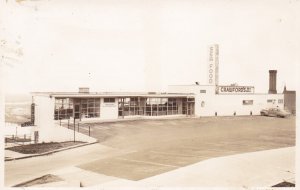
(190, 108)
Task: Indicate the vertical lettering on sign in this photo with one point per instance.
(213, 65)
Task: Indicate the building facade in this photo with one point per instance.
(180, 101)
(210, 101)
(290, 100)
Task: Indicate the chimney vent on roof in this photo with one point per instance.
(272, 81)
(84, 90)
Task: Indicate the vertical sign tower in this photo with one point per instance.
(213, 65)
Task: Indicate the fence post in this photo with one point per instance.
(89, 130)
(68, 122)
(78, 126)
(16, 131)
(74, 129)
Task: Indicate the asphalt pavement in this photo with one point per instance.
(138, 150)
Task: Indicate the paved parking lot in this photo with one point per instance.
(156, 146)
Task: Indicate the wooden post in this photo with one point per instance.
(68, 122)
(89, 130)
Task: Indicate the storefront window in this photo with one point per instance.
(63, 108)
(84, 108)
(150, 106)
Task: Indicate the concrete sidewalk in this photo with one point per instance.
(12, 155)
(256, 169)
(23, 170)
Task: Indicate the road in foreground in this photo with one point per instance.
(141, 149)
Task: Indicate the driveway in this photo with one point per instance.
(157, 146)
(136, 150)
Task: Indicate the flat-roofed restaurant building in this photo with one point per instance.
(180, 100)
(51, 108)
(109, 105)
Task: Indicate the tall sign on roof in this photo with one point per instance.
(213, 65)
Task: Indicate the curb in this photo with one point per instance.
(50, 152)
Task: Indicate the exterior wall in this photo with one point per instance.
(44, 117)
(290, 101)
(207, 103)
(210, 89)
(203, 97)
(227, 105)
(45, 123)
(108, 110)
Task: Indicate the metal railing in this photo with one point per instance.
(13, 140)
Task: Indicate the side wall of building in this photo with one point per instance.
(208, 103)
(290, 102)
(44, 119)
(48, 130)
(238, 104)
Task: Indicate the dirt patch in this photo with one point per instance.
(42, 147)
(41, 180)
(284, 184)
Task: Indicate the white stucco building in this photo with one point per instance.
(180, 101)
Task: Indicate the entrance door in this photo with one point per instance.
(190, 108)
(121, 108)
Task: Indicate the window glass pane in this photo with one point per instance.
(63, 108)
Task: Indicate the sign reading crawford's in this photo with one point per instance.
(236, 89)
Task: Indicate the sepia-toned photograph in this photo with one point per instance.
(159, 94)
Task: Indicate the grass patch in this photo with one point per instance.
(41, 180)
(42, 147)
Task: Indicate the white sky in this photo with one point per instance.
(136, 45)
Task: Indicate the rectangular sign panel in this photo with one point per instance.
(236, 89)
(213, 65)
